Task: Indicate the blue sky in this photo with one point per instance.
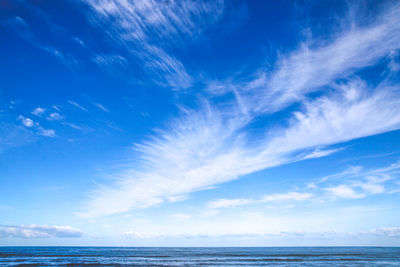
(169, 123)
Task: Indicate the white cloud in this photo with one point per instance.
(47, 132)
(56, 107)
(77, 105)
(287, 196)
(179, 216)
(386, 231)
(394, 65)
(26, 121)
(351, 183)
(229, 203)
(23, 29)
(111, 63)
(137, 235)
(146, 30)
(335, 119)
(55, 116)
(100, 106)
(319, 153)
(38, 231)
(357, 183)
(313, 66)
(204, 148)
(74, 126)
(12, 135)
(38, 111)
(36, 126)
(372, 188)
(392, 232)
(343, 191)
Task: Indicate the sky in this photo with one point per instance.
(199, 123)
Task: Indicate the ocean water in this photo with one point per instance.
(160, 256)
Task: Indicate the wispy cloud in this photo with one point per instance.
(352, 183)
(230, 203)
(358, 183)
(146, 30)
(72, 125)
(316, 64)
(100, 106)
(363, 184)
(179, 216)
(56, 107)
(205, 148)
(343, 191)
(338, 117)
(392, 232)
(319, 153)
(23, 29)
(386, 231)
(38, 231)
(137, 235)
(12, 135)
(110, 63)
(214, 145)
(75, 104)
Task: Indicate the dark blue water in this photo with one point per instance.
(133, 256)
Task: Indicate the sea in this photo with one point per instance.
(205, 256)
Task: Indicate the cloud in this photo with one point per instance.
(318, 153)
(47, 132)
(137, 235)
(372, 188)
(343, 191)
(147, 30)
(55, 116)
(12, 135)
(319, 63)
(204, 149)
(179, 216)
(358, 183)
(394, 64)
(316, 64)
(38, 111)
(109, 63)
(214, 144)
(100, 106)
(352, 183)
(24, 31)
(386, 231)
(56, 107)
(75, 104)
(38, 231)
(74, 126)
(26, 121)
(229, 203)
(147, 36)
(337, 118)
(392, 232)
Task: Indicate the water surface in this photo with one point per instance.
(161, 256)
